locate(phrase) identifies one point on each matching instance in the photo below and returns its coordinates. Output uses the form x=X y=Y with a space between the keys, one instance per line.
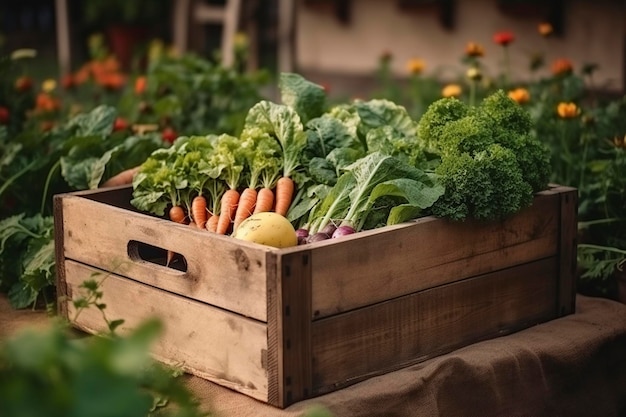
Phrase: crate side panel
x=568 y=247
x=209 y=342
x=431 y=252
x=219 y=270
x=380 y=338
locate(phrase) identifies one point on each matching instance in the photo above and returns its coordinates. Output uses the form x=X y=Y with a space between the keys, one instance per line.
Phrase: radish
x=302 y=235
x=343 y=230
x=317 y=237
x=329 y=229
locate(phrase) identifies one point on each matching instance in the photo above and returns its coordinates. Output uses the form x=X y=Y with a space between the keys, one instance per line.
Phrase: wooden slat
x=220 y=270
x=380 y=338
x=370 y=268
x=295 y=283
x=59 y=258
x=214 y=344
x=567 y=250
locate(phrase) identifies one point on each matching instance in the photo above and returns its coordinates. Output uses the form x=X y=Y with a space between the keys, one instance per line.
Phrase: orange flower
x=473 y=49
x=567 y=110
x=545 y=29
x=110 y=80
x=140 y=85
x=44 y=102
x=451 y=90
x=562 y=66
x=503 y=38
x=519 y=95
x=415 y=66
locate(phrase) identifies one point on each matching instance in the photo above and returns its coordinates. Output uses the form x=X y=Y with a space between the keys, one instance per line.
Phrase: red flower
x=23 y=83
x=169 y=135
x=68 y=82
x=4 y=115
x=120 y=124
x=503 y=38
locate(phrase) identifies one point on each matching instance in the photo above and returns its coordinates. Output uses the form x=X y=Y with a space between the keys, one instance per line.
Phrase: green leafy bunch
x=27 y=262
x=53 y=372
x=194 y=95
x=491 y=164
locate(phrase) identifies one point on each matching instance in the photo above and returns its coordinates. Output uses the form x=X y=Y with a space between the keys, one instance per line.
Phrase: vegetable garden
x=201 y=145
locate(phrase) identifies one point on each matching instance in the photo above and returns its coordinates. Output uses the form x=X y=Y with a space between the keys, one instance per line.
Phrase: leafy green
x=376 y=175
x=306 y=98
x=282 y=123
x=491 y=165
x=64 y=372
x=27 y=261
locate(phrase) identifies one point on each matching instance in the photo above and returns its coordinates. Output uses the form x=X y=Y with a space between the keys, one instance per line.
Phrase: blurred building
x=346 y=38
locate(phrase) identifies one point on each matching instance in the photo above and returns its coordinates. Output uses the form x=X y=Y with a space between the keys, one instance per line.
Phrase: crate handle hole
x=140 y=251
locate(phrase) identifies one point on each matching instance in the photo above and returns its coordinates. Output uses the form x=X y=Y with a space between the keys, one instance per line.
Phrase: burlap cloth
x=572 y=366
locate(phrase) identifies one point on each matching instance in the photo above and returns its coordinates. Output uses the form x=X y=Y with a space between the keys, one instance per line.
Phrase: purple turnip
x=303 y=235
x=329 y=229
x=317 y=237
x=343 y=230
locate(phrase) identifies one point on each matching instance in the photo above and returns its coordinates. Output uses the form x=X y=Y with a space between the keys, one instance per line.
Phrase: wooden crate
x=283 y=325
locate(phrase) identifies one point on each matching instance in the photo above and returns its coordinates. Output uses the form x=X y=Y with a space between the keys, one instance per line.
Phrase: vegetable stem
x=24 y=170
x=47 y=185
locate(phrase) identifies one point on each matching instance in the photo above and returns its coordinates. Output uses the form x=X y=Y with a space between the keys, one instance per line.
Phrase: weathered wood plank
x=220 y=271
x=567 y=250
x=295 y=283
x=410 y=329
x=354 y=273
x=206 y=341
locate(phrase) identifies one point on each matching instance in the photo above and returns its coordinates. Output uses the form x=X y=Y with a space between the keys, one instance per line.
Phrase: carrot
x=199 y=211
x=123 y=178
x=264 y=200
x=211 y=224
x=245 y=207
x=285 y=188
x=228 y=207
x=177 y=214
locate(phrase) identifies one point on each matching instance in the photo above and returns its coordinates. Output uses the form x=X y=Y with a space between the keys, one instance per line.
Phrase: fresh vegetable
x=352 y=200
x=211 y=224
x=284 y=195
x=267 y=228
x=265 y=200
x=343 y=230
x=123 y=178
x=282 y=123
x=263 y=162
x=491 y=165
x=199 y=211
x=245 y=208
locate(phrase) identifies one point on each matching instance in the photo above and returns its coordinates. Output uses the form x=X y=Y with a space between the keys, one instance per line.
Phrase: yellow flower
x=519 y=95
x=474 y=74
x=415 y=66
x=49 y=85
x=451 y=90
x=545 y=29
x=567 y=110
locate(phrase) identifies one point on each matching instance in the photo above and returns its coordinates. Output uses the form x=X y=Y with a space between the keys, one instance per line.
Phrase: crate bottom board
x=206 y=341
x=232 y=350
